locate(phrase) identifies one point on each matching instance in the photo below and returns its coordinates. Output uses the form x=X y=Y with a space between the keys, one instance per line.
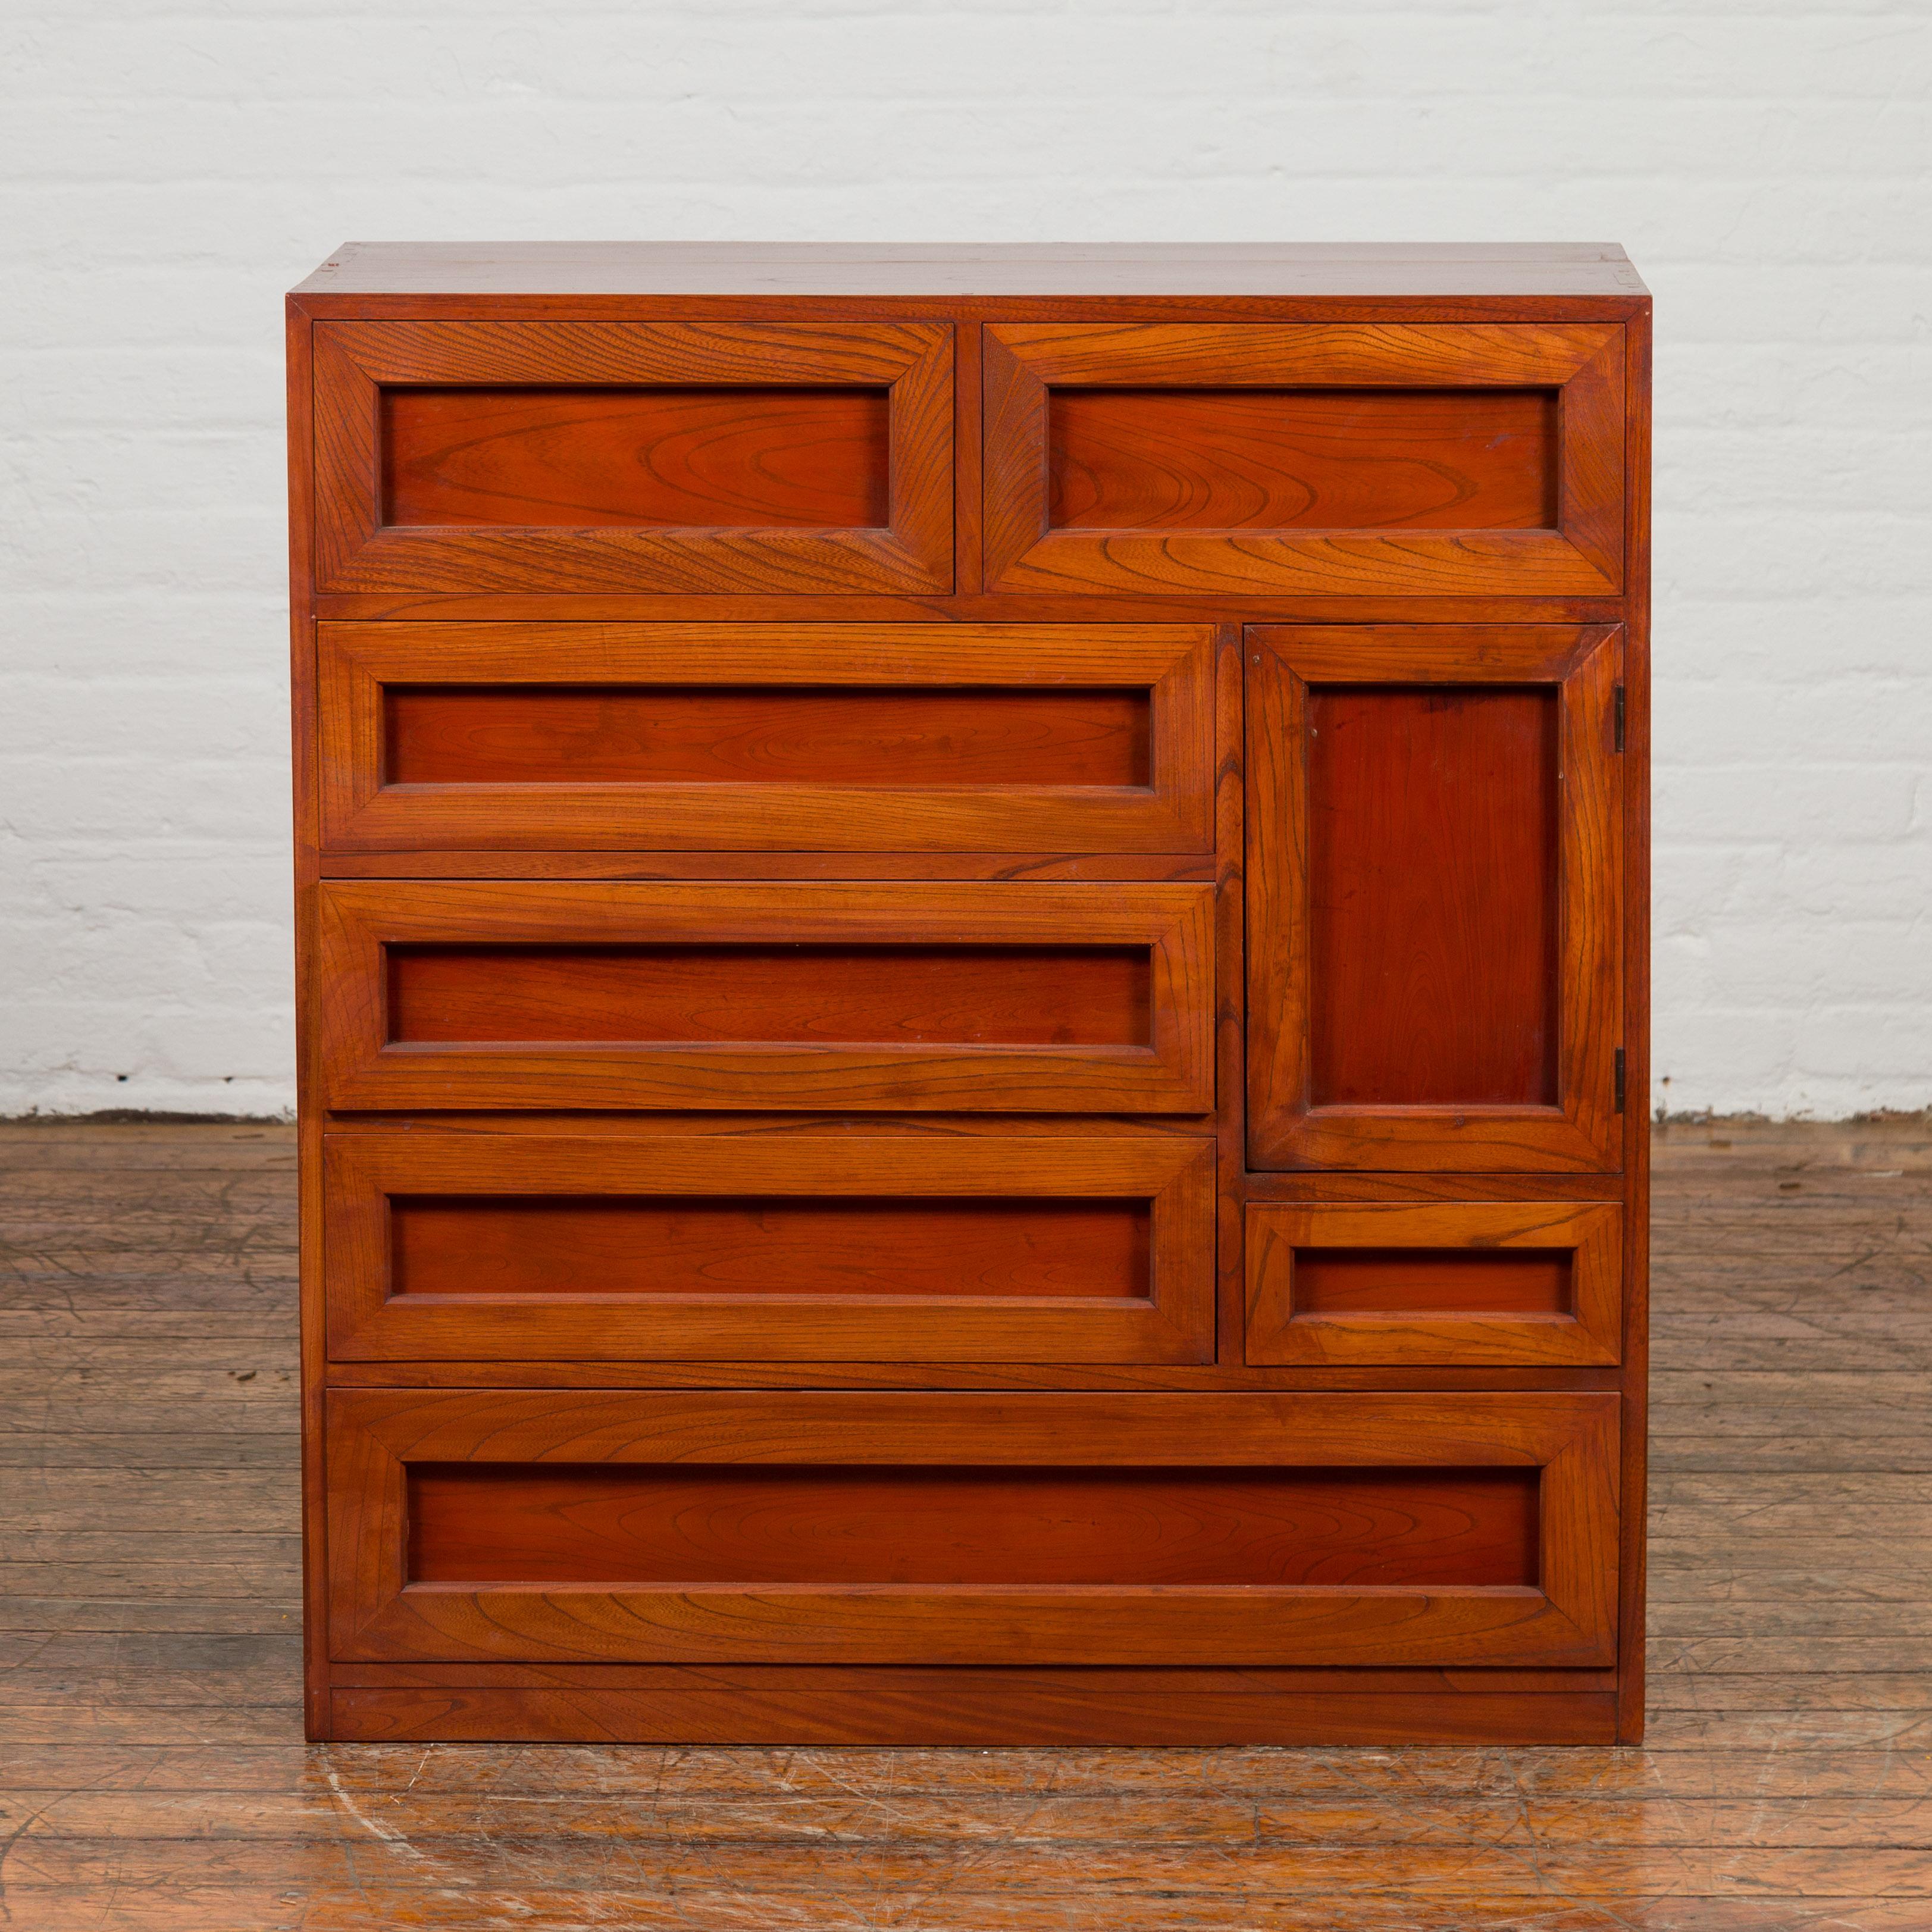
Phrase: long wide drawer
x=779 y=1247
x=1330 y=1529
x=1059 y=999
x=795 y=737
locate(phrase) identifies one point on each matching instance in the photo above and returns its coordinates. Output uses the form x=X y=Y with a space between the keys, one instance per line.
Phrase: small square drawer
x=786 y=1246
x=928 y=998
x=1258 y=459
x=835 y=1528
x=633 y=456
x=1443 y=1284
x=797 y=737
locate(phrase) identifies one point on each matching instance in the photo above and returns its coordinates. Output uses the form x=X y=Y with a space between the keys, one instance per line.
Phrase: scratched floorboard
x=152 y=1774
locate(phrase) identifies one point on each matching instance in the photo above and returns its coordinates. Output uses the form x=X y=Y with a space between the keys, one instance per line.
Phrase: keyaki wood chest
x=973 y=973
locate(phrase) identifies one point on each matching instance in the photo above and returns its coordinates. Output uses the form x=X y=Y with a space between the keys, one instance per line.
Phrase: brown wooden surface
x=573 y=734
x=791 y=269
x=771 y=738
x=1433 y=896
x=153 y=1773
x=881 y=1247
x=592 y=1523
x=1635 y=1024
x=1463 y=1283
x=1307 y=459
x=1080 y=1250
x=1237 y=509
x=1419 y=1583
x=839 y=1039
x=1252 y=401
x=1301 y=459
x=1158 y=604
x=365 y=498
x=1436 y=857
x=617 y=458
x=780 y=994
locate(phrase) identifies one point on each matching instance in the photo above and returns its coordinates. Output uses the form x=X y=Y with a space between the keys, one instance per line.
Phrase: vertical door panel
x=1435 y=902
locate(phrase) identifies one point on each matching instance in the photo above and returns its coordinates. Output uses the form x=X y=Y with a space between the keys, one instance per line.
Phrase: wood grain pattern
x=1440 y=1281
x=1434 y=902
x=378 y=1614
x=1042 y=868
x=797 y=272
x=1301 y=459
x=1031 y=369
x=525 y=1245
x=1006 y=738
x=687 y=446
x=1413 y=1284
x=511 y=1526
x=687 y=1248
x=617 y=458
x=155 y=1775
x=1392 y=1024
x=369 y=1065
x=1631 y=1688
x=358 y=364
x=749 y=735
x=785 y=994
x=986 y=1709
x=1156 y=605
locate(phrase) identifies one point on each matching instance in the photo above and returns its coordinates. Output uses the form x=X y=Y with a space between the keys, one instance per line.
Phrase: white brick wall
x=173 y=166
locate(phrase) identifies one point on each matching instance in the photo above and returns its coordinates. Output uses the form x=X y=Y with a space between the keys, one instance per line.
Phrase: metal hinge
x=1620 y=1080
x=1620 y=718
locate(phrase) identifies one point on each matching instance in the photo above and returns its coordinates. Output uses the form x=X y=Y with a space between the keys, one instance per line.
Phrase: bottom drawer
x=1143 y=1529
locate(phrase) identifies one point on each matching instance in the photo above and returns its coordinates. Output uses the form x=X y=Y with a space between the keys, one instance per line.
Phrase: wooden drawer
x=1258 y=459
x=1059 y=999
x=801 y=737
x=633 y=456
x=792 y=1247
x=833 y=1527
x=1434 y=898
x=1448 y=1284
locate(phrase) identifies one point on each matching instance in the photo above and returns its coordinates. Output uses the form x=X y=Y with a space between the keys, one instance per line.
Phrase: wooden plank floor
x=152 y=1774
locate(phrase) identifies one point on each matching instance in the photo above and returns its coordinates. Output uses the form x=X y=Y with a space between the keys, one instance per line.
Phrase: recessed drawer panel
x=626 y=456
x=800 y=738
x=1062 y=999
x=1443 y=1284
x=1254 y=459
x=1152 y=1528
x=792 y=1247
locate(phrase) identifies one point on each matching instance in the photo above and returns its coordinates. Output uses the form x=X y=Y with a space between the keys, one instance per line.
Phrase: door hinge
x=1620 y=1080
x=1619 y=712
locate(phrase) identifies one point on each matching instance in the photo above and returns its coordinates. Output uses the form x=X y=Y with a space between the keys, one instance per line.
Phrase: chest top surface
x=1305 y=270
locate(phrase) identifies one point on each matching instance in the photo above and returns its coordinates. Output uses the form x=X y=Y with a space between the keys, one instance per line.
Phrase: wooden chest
x=973 y=963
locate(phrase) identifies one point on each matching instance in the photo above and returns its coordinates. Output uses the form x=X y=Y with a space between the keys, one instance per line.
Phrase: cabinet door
x=1434 y=898
x=1247 y=459
x=793 y=737
x=1445 y=1530
x=633 y=456
x=794 y=1247
x=933 y=998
